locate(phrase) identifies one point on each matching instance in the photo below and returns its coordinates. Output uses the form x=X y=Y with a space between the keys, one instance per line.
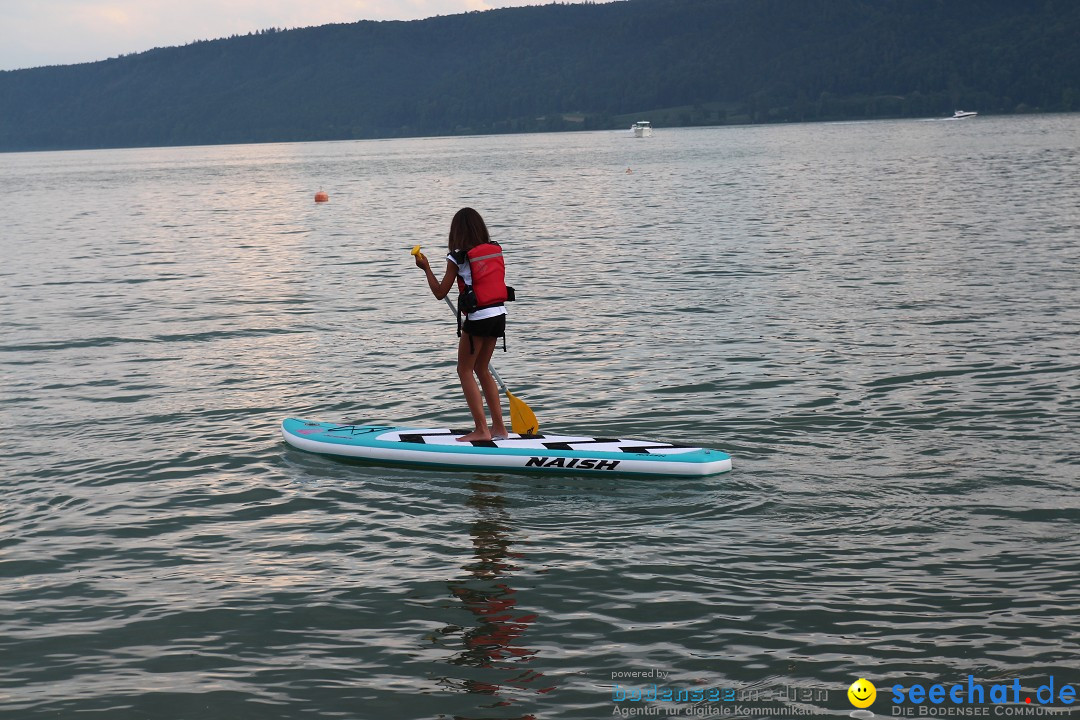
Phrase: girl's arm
x=438 y=289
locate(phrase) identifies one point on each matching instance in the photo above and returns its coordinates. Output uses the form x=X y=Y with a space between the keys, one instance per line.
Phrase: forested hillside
x=563 y=66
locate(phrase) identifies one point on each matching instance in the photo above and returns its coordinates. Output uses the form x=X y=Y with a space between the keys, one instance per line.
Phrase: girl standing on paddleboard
x=475 y=262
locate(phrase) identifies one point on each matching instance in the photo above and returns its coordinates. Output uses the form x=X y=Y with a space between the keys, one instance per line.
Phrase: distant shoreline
x=660 y=128
x=560 y=67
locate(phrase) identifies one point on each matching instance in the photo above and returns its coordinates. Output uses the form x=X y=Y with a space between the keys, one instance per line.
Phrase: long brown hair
x=467 y=230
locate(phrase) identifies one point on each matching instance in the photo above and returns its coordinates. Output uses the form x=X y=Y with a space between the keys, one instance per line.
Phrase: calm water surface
x=879 y=321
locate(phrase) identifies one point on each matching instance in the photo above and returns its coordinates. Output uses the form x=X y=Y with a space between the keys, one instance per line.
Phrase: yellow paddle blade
x=522 y=418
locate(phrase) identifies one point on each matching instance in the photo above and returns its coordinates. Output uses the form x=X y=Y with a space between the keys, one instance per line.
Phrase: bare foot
x=499 y=433
x=475 y=435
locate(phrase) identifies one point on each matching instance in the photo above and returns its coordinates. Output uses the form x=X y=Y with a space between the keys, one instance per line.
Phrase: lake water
x=879 y=321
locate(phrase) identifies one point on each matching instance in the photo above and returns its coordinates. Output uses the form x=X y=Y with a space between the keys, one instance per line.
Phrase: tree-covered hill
x=563 y=66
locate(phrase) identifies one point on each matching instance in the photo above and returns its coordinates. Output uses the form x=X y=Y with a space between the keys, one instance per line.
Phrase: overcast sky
x=60 y=32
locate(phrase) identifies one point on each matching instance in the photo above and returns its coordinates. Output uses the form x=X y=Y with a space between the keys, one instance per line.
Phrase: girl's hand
x=421 y=261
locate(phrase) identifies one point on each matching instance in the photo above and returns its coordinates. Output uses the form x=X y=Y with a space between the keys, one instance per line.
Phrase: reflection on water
x=495 y=643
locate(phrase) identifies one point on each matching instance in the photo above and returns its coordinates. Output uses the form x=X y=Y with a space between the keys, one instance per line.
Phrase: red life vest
x=488 y=272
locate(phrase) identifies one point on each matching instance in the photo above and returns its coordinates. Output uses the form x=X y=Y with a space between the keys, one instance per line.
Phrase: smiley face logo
x=862 y=693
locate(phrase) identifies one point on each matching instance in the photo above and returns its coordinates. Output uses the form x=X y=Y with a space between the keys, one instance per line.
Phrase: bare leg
x=488 y=384
x=466 y=369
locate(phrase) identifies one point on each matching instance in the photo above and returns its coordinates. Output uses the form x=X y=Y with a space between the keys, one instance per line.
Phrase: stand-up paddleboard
x=543 y=453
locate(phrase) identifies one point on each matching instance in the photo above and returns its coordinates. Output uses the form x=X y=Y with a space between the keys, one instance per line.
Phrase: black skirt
x=488 y=327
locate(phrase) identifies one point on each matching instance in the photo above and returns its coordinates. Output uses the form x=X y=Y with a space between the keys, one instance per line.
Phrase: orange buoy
x=321 y=197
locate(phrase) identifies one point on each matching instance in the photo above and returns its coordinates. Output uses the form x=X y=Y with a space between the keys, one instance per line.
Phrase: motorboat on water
x=961 y=114
x=642 y=128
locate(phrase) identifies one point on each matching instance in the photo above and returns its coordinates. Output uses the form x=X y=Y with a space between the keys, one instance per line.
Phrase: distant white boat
x=642 y=128
x=960 y=114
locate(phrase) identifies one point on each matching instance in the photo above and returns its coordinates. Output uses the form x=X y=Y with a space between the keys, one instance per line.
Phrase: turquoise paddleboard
x=539 y=453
